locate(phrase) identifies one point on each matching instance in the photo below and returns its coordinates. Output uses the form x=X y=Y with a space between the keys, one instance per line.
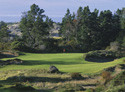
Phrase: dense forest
x=80 y=31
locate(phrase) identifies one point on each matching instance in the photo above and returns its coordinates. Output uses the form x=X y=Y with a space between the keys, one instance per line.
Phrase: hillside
x=14 y=30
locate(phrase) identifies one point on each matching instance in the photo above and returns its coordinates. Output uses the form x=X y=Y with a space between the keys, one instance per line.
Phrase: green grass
x=65 y=62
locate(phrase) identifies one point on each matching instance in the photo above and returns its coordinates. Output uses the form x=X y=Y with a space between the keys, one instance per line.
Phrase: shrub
x=23 y=87
x=5 y=46
x=119 y=79
x=117 y=84
x=99 y=89
x=106 y=75
x=107 y=48
x=76 y=75
x=69 y=88
x=103 y=54
x=16 y=45
x=114 y=46
x=90 y=90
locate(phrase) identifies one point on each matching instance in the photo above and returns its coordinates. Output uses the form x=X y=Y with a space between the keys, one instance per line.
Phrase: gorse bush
x=119 y=80
x=104 y=54
x=117 y=84
x=106 y=75
x=69 y=88
x=76 y=75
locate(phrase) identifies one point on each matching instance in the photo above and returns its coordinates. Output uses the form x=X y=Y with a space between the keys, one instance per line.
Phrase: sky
x=11 y=10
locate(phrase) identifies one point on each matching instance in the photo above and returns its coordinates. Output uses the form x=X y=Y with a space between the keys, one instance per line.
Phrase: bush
x=76 y=76
x=16 y=45
x=69 y=88
x=99 y=89
x=5 y=46
x=23 y=87
x=106 y=75
x=107 y=48
x=119 y=79
x=117 y=84
x=52 y=45
x=114 y=46
x=104 y=54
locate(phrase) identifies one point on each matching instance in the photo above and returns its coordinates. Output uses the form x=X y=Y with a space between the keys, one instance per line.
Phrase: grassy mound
x=102 y=56
x=117 y=84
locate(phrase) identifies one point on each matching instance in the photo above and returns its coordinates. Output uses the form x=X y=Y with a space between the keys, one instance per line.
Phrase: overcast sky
x=11 y=10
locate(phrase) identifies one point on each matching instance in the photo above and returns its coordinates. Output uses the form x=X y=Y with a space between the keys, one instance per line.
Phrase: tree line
x=92 y=30
x=81 y=31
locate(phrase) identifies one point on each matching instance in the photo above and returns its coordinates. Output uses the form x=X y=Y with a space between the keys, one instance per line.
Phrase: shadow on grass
x=16 y=79
x=41 y=62
x=99 y=60
x=19 y=79
x=21 y=90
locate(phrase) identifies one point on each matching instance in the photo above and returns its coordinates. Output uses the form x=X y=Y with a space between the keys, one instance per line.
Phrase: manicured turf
x=65 y=62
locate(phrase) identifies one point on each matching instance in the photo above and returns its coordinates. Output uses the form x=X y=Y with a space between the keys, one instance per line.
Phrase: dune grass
x=65 y=62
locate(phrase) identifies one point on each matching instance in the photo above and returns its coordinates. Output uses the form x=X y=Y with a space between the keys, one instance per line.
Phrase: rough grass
x=65 y=62
x=33 y=73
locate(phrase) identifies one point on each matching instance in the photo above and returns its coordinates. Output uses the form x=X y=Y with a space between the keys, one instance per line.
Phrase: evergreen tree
x=85 y=31
x=66 y=28
x=4 y=33
x=33 y=26
x=91 y=30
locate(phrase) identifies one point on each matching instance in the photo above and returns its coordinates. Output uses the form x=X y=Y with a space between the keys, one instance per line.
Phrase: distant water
x=18 y=18
x=10 y=18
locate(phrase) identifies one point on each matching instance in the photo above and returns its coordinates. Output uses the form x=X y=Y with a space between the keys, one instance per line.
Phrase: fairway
x=65 y=62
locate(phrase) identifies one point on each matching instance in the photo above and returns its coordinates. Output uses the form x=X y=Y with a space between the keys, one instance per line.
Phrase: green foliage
x=52 y=45
x=5 y=46
x=123 y=42
x=104 y=54
x=16 y=45
x=117 y=84
x=33 y=27
x=119 y=80
x=4 y=34
x=121 y=13
x=99 y=89
x=90 y=30
x=69 y=88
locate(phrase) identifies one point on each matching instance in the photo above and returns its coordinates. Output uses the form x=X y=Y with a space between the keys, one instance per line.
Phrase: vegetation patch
x=69 y=88
x=22 y=87
x=102 y=56
x=76 y=76
x=119 y=80
x=11 y=61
